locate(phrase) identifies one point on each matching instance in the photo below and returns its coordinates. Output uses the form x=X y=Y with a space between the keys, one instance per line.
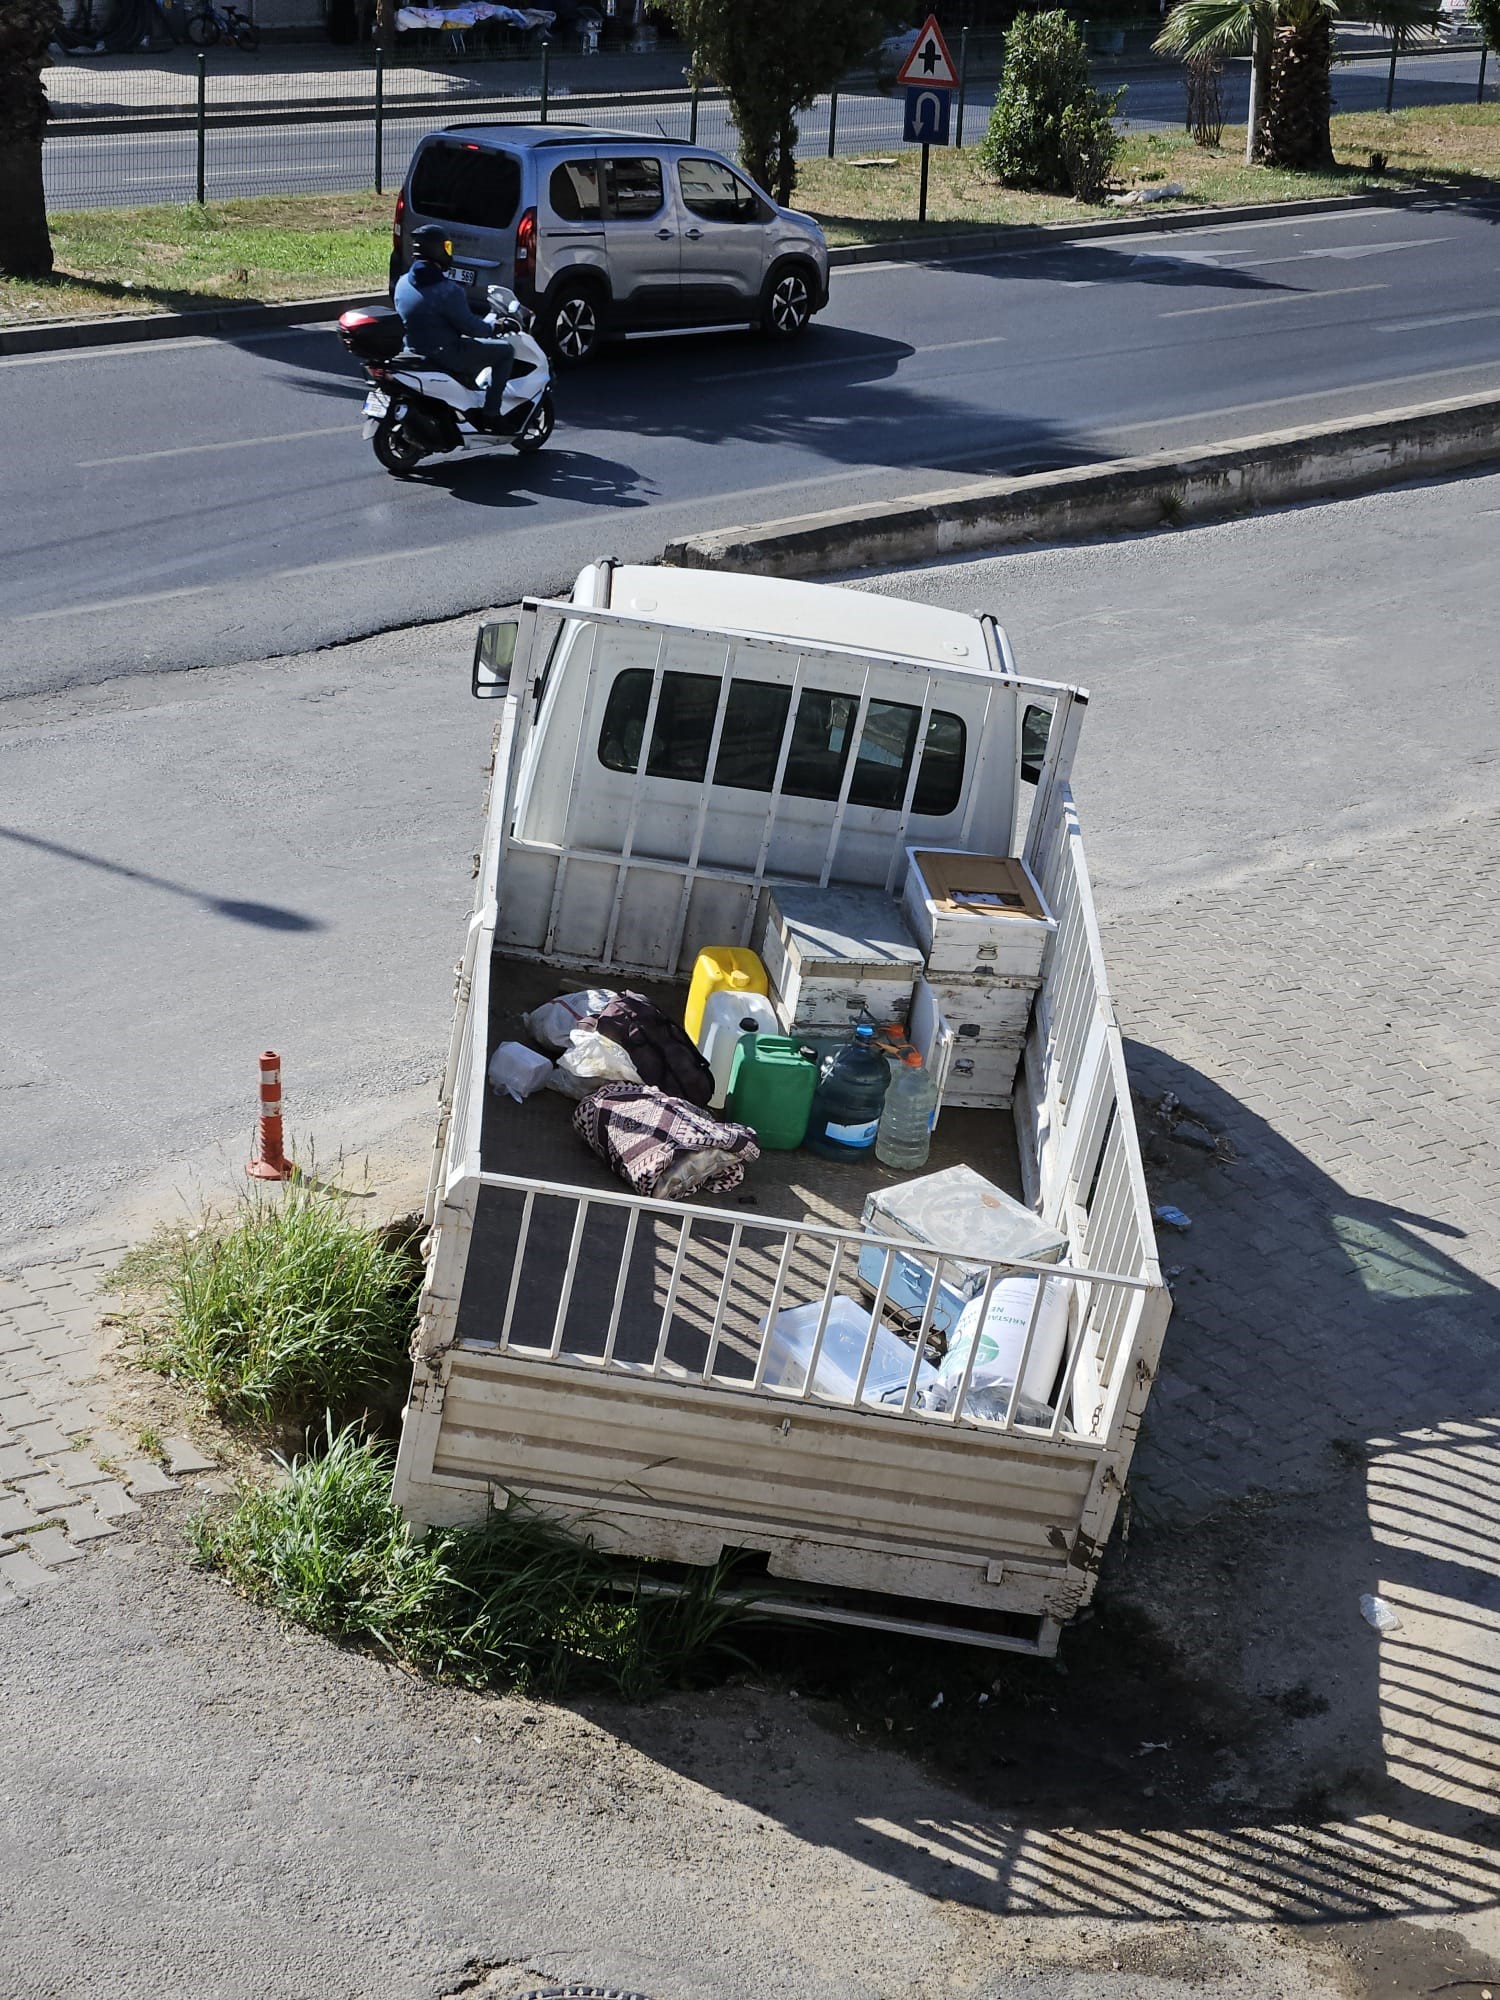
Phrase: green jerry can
x=771 y=1089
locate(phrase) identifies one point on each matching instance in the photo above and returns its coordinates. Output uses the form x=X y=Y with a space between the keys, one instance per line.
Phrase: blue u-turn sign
x=927 y=115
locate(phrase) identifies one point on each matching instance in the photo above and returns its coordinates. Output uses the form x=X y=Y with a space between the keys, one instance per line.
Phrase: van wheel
x=787 y=305
x=572 y=328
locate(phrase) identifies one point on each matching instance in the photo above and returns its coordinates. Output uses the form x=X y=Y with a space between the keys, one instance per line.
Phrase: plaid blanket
x=656 y=1142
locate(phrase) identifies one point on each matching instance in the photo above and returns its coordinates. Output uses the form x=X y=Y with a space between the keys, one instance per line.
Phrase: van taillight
x=526 y=244
x=396 y=225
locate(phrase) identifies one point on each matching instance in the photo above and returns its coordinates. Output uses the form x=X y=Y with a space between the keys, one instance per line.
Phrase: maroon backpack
x=659 y=1048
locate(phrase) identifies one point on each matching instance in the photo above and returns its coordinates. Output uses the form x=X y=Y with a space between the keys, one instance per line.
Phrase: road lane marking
x=197 y=589
x=221 y=444
x=113 y=604
x=1268 y=299
x=1436 y=319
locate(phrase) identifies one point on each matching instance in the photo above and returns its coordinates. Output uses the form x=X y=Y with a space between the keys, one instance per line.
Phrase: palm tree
x=1292 y=45
x=26 y=27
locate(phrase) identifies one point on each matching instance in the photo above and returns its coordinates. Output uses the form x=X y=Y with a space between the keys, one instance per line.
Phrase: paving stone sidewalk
x=1339 y=1025
x=66 y=1480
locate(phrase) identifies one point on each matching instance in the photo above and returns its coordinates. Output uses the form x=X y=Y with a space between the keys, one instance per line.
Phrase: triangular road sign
x=929 y=62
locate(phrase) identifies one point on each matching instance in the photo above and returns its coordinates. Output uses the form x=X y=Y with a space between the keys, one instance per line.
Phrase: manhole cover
x=582 y=1993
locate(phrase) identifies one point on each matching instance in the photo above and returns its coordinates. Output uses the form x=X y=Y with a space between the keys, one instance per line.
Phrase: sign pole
x=922 y=196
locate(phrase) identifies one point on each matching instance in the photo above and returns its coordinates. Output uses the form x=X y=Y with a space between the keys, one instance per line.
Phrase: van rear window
x=476 y=185
x=750 y=741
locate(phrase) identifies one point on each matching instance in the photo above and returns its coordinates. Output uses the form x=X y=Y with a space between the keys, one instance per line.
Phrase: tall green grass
x=515 y=1603
x=286 y=1310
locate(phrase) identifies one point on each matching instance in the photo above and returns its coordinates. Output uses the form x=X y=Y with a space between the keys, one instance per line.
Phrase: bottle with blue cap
x=848 y=1101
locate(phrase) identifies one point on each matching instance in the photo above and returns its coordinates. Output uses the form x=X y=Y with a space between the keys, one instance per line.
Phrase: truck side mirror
x=494 y=656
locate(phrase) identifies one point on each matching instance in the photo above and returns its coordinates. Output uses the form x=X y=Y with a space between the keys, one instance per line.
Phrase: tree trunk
x=1294 y=132
x=758 y=151
x=25 y=240
x=786 y=163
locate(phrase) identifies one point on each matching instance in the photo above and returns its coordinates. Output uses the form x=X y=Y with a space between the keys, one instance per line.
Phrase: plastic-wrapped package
x=517 y=1070
x=552 y=1023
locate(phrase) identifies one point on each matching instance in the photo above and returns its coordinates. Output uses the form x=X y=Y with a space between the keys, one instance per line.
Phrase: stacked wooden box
x=983 y=929
x=835 y=958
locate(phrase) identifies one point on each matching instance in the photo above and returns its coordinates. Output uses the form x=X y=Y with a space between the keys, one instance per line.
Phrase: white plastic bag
x=589 y=1060
x=597 y=1059
x=552 y=1023
x=517 y=1070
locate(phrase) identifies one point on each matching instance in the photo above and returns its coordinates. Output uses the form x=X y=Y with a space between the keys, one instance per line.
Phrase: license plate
x=465 y=274
x=377 y=403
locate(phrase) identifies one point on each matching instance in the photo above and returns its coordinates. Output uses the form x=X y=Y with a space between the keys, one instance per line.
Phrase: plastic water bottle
x=905 y=1133
x=848 y=1101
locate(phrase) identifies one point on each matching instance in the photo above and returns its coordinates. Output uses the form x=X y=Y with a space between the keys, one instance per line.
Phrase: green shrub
x=1050 y=129
x=1090 y=146
x=291 y=1309
x=516 y=1603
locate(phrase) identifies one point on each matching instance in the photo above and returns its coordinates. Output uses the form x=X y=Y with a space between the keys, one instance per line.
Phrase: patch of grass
x=150 y=260
x=517 y=1603
x=285 y=1309
x=150 y=1442
x=1451 y=145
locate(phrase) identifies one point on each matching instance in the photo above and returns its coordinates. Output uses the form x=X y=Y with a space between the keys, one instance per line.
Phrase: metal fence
x=224 y=125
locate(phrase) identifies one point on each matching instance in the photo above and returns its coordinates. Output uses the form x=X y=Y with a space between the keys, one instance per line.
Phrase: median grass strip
x=283 y=1309
x=228 y=253
x=1456 y=145
x=173 y=259
x=516 y=1603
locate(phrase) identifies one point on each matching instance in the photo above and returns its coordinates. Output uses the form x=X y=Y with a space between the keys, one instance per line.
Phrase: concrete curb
x=1036 y=235
x=229 y=320
x=224 y=320
x=1158 y=489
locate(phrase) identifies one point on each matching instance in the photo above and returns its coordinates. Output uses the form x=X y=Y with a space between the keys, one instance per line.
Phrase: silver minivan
x=605 y=232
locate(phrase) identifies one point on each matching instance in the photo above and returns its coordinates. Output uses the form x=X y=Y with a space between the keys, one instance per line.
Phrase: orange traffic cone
x=270 y=1162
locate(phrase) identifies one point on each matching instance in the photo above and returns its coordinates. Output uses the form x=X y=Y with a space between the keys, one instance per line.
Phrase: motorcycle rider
x=441 y=326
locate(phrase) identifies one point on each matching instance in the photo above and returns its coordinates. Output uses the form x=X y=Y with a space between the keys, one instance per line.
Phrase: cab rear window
x=462 y=182
x=750 y=741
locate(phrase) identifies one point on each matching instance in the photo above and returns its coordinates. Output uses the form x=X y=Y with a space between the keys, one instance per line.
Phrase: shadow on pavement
x=264 y=916
x=1226 y=1739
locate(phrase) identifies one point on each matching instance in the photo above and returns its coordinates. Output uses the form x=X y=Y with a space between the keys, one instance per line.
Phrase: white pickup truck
x=672 y=746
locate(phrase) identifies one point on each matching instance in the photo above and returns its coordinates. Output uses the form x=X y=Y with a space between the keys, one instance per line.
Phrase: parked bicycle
x=213 y=23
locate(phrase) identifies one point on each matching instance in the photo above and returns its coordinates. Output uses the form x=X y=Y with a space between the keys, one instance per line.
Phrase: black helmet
x=431 y=242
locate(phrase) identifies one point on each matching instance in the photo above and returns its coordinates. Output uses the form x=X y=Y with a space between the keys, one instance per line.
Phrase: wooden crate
x=975 y=913
x=836 y=957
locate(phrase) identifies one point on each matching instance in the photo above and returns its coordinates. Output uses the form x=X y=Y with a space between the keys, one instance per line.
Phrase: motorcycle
x=414 y=410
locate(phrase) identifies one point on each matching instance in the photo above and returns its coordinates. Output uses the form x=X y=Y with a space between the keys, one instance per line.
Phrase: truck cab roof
x=808 y=613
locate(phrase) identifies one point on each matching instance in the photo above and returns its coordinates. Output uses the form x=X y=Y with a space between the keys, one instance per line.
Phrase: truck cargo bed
x=536 y=1141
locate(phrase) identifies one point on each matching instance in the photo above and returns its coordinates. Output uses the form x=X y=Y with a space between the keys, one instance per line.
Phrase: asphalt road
x=205 y=501
x=87 y=170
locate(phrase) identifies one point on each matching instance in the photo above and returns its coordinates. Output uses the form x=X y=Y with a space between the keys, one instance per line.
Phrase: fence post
x=1390 y=82
x=202 y=121
x=546 y=77
x=963 y=81
x=833 y=120
x=693 y=119
x=380 y=121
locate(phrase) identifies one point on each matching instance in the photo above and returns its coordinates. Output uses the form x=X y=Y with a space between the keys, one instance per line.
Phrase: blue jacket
x=436 y=314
